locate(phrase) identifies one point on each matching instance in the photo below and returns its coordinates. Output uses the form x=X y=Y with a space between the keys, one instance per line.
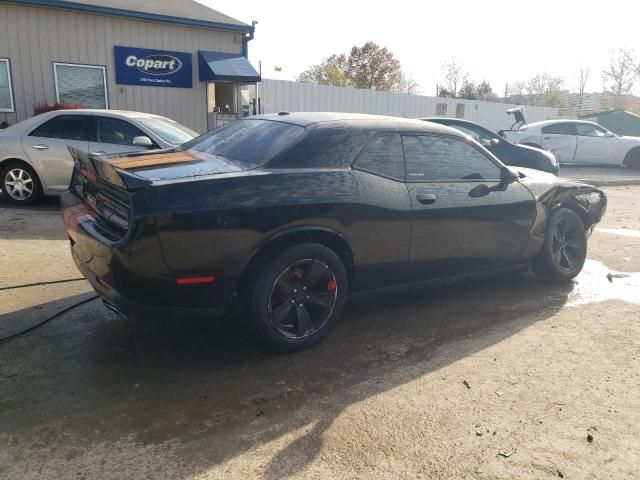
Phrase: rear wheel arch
x=632 y=158
x=283 y=240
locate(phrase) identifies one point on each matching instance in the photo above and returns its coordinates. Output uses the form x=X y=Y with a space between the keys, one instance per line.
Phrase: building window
x=441 y=109
x=460 y=110
x=6 y=94
x=84 y=85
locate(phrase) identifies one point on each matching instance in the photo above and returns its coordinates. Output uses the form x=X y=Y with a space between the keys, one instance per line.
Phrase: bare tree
x=407 y=84
x=583 y=77
x=545 y=90
x=621 y=74
x=453 y=76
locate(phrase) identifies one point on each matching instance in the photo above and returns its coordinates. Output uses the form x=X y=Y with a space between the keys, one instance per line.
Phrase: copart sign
x=153 y=68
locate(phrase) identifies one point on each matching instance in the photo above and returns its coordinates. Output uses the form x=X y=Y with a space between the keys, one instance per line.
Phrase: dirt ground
x=492 y=379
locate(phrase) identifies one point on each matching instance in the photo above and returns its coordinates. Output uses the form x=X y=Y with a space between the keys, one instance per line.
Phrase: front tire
x=20 y=184
x=564 y=250
x=298 y=297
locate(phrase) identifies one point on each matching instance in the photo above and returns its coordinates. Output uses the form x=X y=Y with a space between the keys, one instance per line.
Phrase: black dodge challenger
x=287 y=214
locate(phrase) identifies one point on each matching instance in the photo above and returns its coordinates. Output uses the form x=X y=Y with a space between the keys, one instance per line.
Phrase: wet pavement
x=94 y=395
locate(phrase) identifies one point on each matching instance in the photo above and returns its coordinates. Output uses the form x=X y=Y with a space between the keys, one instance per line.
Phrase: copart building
x=176 y=58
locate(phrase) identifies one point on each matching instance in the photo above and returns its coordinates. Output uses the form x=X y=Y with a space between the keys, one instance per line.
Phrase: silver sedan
x=34 y=160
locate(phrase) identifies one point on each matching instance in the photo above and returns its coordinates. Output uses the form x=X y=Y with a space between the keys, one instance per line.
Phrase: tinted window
x=432 y=158
x=588 y=130
x=560 y=129
x=251 y=142
x=65 y=127
x=116 y=131
x=323 y=146
x=168 y=130
x=383 y=155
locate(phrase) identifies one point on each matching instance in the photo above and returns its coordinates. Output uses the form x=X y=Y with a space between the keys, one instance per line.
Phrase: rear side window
x=248 y=142
x=383 y=155
x=116 y=131
x=323 y=147
x=560 y=129
x=434 y=158
x=65 y=127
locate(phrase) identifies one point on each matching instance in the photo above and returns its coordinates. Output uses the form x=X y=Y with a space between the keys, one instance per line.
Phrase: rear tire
x=20 y=184
x=564 y=250
x=632 y=159
x=298 y=297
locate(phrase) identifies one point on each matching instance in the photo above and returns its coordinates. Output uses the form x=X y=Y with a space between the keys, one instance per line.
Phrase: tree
x=516 y=92
x=546 y=91
x=373 y=68
x=368 y=66
x=583 y=77
x=620 y=76
x=407 y=85
x=453 y=76
x=332 y=71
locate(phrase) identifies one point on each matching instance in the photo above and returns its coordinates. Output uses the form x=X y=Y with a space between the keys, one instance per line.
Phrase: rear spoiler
x=99 y=168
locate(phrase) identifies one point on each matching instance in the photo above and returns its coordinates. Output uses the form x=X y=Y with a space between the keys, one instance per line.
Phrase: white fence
x=282 y=95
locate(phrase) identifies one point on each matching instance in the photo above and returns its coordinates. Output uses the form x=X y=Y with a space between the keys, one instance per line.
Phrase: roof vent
x=283 y=113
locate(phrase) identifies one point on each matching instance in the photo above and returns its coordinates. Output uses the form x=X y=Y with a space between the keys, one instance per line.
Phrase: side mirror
x=610 y=134
x=508 y=176
x=142 y=141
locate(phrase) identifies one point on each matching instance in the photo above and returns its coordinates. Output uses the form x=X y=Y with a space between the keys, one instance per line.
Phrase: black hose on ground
x=48 y=319
x=38 y=284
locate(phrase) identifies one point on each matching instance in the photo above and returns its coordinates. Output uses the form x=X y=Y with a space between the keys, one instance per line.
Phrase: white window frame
x=13 y=105
x=100 y=67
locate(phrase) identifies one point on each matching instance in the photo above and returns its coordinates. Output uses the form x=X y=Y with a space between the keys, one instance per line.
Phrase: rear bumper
x=130 y=274
x=122 y=304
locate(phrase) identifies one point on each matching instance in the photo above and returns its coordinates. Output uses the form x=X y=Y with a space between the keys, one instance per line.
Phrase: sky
x=494 y=40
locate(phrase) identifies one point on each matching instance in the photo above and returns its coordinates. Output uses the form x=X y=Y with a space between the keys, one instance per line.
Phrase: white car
x=580 y=142
x=35 y=161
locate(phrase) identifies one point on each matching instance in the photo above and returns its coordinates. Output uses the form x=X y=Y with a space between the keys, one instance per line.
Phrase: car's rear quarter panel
x=216 y=225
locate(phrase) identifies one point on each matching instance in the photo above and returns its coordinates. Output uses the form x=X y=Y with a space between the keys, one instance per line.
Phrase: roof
x=607 y=112
x=360 y=119
x=542 y=123
x=185 y=12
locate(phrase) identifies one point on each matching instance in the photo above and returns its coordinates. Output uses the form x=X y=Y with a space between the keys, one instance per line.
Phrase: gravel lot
x=492 y=379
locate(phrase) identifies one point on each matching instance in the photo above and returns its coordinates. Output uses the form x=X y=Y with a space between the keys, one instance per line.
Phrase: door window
x=589 y=130
x=82 y=85
x=560 y=129
x=65 y=127
x=431 y=158
x=116 y=131
x=383 y=156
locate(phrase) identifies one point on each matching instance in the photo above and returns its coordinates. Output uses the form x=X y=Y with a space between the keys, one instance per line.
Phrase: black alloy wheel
x=566 y=243
x=298 y=296
x=302 y=298
x=565 y=248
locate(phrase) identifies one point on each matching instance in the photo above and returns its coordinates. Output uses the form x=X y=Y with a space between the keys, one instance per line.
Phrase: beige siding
x=34 y=37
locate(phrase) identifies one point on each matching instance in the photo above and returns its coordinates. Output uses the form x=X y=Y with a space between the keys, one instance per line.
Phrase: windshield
x=168 y=130
x=251 y=142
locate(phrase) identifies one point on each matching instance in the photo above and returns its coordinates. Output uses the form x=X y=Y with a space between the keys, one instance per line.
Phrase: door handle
x=426 y=198
x=546 y=138
x=101 y=152
x=40 y=147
